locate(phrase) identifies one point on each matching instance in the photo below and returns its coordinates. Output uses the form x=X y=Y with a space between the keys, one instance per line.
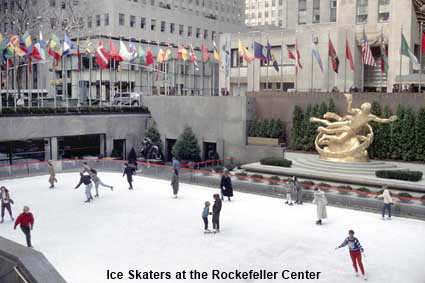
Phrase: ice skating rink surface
x=146 y=229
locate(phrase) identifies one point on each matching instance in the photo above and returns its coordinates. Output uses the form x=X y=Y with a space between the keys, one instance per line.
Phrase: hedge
x=241 y=176
x=324 y=186
x=308 y=185
x=344 y=190
x=276 y=161
x=361 y=190
x=405 y=175
x=256 y=177
x=219 y=169
x=274 y=180
x=423 y=199
x=403 y=194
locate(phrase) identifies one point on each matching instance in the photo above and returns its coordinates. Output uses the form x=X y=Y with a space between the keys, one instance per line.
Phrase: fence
x=201 y=174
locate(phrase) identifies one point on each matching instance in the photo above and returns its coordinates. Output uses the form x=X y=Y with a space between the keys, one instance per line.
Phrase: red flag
x=205 y=53
x=298 y=58
x=149 y=58
x=334 y=57
x=290 y=54
x=102 y=56
x=349 y=56
x=423 y=42
x=113 y=52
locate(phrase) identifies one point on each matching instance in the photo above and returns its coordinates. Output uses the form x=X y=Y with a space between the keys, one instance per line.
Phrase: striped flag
x=366 y=52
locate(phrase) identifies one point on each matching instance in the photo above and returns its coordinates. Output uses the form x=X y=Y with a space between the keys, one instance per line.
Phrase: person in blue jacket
x=356 y=251
x=205 y=213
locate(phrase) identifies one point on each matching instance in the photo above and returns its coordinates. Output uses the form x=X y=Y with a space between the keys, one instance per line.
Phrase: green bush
x=403 y=195
x=274 y=180
x=257 y=178
x=153 y=134
x=361 y=190
x=405 y=175
x=219 y=169
x=276 y=161
x=242 y=176
x=324 y=186
x=344 y=190
x=308 y=185
x=186 y=146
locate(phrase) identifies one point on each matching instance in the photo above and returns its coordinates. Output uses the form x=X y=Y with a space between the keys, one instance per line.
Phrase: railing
x=202 y=174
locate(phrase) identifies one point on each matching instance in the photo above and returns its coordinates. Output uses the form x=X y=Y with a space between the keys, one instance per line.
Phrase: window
x=89 y=22
x=52 y=3
x=172 y=27
x=273 y=3
x=205 y=34
x=259 y=15
x=106 y=20
x=98 y=20
x=198 y=32
x=333 y=11
x=266 y=14
x=384 y=11
x=213 y=35
x=181 y=29
x=189 y=31
x=316 y=11
x=142 y=22
x=63 y=5
x=302 y=11
x=132 y=21
x=361 y=11
x=153 y=24
x=121 y=19
x=280 y=23
x=280 y=2
x=162 y=26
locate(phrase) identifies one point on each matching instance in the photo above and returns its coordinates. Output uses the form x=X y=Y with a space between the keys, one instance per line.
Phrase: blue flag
x=316 y=55
x=67 y=45
x=258 y=51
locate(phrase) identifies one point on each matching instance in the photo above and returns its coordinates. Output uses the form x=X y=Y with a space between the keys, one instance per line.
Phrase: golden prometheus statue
x=346 y=139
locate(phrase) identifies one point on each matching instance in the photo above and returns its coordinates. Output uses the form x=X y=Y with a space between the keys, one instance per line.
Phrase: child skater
x=98 y=182
x=6 y=203
x=129 y=171
x=205 y=213
x=356 y=251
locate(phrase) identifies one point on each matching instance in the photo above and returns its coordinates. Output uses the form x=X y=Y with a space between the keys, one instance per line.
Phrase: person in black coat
x=226 y=185
x=129 y=171
x=86 y=180
x=216 y=213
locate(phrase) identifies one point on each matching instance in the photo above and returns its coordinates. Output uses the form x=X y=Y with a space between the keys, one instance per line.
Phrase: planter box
x=262 y=141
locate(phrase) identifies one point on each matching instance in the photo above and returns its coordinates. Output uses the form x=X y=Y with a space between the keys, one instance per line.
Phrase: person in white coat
x=388 y=202
x=321 y=202
x=290 y=193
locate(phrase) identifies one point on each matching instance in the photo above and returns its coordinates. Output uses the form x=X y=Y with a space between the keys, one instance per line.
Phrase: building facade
x=315 y=22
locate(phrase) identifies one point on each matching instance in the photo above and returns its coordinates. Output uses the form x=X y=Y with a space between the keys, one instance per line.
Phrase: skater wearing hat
x=226 y=185
x=356 y=251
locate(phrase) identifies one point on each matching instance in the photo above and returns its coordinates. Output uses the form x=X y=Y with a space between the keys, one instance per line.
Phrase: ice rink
x=146 y=229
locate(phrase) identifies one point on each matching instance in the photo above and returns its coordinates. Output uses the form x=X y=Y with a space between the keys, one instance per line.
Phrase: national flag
x=367 y=52
x=55 y=49
x=182 y=53
x=258 y=51
x=133 y=52
x=216 y=53
x=423 y=42
x=271 y=58
x=26 y=38
x=78 y=55
x=36 y=52
x=113 y=52
x=124 y=53
x=168 y=53
x=316 y=55
x=334 y=57
x=287 y=52
x=88 y=48
x=142 y=56
x=4 y=42
x=15 y=46
x=205 y=55
x=244 y=53
x=149 y=57
x=298 y=57
x=348 y=55
x=384 y=56
x=102 y=56
x=67 y=45
x=193 y=57
x=405 y=50
x=161 y=56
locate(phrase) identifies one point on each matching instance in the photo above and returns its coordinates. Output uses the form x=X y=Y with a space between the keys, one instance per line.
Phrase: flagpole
x=401 y=63
x=329 y=74
x=345 y=62
x=296 y=65
x=7 y=82
x=281 y=66
x=90 y=73
x=239 y=66
x=420 y=63
x=111 y=87
x=128 y=71
x=268 y=63
x=202 y=75
x=311 y=82
x=382 y=59
x=79 y=71
x=212 y=75
x=1 y=90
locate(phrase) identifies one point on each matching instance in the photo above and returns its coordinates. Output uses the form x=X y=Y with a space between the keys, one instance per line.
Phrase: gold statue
x=347 y=139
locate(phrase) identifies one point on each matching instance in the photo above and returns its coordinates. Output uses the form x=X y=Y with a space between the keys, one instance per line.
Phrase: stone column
x=54 y=148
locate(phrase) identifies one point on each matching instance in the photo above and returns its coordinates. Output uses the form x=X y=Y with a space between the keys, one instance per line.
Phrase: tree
x=297 y=121
x=384 y=149
x=420 y=135
x=332 y=106
x=396 y=134
x=408 y=135
x=306 y=128
x=278 y=129
x=153 y=134
x=323 y=109
x=374 y=148
x=186 y=146
x=265 y=128
x=132 y=157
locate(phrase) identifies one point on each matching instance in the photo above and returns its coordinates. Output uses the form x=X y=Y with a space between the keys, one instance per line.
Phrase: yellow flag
x=243 y=52
x=161 y=56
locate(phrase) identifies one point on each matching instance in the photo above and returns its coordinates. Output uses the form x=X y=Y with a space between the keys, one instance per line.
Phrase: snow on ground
x=146 y=229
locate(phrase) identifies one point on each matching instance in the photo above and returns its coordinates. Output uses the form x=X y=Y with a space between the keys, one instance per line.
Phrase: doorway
x=120 y=149
x=169 y=143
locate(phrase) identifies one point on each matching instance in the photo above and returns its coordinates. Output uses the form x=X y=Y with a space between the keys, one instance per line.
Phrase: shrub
x=153 y=134
x=361 y=190
x=308 y=185
x=274 y=180
x=276 y=161
x=423 y=199
x=219 y=169
x=186 y=146
x=405 y=175
x=344 y=190
x=403 y=196
x=324 y=186
x=257 y=178
x=242 y=176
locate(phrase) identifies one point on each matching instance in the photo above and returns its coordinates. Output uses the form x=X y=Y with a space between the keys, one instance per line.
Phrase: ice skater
x=388 y=202
x=6 y=203
x=26 y=220
x=226 y=185
x=216 y=213
x=52 y=174
x=129 y=171
x=356 y=251
x=86 y=168
x=321 y=202
x=86 y=180
x=289 y=193
x=298 y=190
x=98 y=182
x=205 y=213
x=175 y=176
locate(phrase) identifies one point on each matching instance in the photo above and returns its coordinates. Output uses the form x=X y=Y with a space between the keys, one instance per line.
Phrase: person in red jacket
x=26 y=220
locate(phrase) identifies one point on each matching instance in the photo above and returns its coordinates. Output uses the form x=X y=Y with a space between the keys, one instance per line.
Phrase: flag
x=142 y=56
x=334 y=57
x=205 y=55
x=348 y=56
x=149 y=57
x=15 y=46
x=168 y=53
x=78 y=55
x=405 y=50
x=161 y=56
x=366 y=52
x=36 y=52
x=271 y=58
x=288 y=52
x=258 y=51
x=133 y=52
x=182 y=53
x=384 y=56
x=423 y=42
x=244 y=53
x=102 y=56
x=55 y=49
x=26 y=38
x=113 y=52
x=297 y=52
x=316 y=55
x=88 y=49
x=4 y=42
x=193 y=57
x=67 y=45
x=216 y=53
x=124 y=53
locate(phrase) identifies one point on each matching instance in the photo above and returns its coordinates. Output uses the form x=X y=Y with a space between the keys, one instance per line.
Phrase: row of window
x=273 y=22
x=255 y=4
x=272 y=14
x=302 y=11
x=362 y=11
